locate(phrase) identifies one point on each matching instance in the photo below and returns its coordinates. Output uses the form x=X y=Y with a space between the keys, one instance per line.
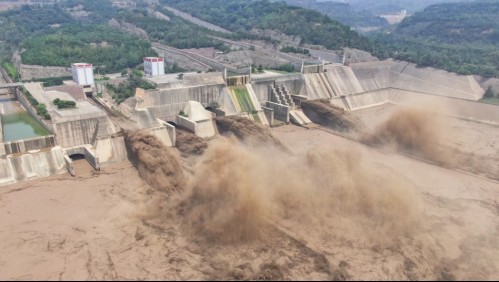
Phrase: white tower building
x=154 y=66
x=83 y=74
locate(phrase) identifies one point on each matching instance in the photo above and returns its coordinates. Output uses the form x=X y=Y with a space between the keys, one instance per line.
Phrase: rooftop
x=83 y=110
x=163 y=79
x=75 y=91
x=154 y=58
x=81 y=65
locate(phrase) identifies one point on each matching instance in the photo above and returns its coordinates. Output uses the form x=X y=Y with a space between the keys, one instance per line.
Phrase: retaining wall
x=238 y=80
x=163 y=133
x=203 y=129
x=32 y=111
x=269 y=114
x=186 y=123
x=171 y=133
x=15 y=168
x=111 y=149
x=281 y=112
x=23 y=146
x=167 y=103
x=69 y=165
x=82 y=131
x=313 y=69
x=29 y=72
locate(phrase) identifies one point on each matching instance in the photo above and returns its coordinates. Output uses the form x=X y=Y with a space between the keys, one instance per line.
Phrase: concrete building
x=85 y=130
x=154 y=66
x=83 y=74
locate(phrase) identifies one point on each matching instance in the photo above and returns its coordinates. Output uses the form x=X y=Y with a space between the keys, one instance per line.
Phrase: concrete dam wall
x=23 y=146
x=357 y=78
x=295 y=84
x=29 y=72
x=461 y=108
x=15 y=168
x=167 y=103
x=76 y=132
x=352 y=87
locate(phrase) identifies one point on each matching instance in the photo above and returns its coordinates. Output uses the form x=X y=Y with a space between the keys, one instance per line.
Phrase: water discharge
x=241 y=193
x=155 y=163
x=238 y=190
x=411 y=130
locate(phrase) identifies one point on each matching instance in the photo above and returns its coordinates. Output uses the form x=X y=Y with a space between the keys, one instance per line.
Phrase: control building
x=83 y=74
x=154 y=66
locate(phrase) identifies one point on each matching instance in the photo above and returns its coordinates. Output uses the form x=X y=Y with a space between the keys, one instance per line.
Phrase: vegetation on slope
x=107 y=49
x=342 y=12
x=127 y=88
x=459 y=37
x=454 y=23
x=19 y=24
x=11 y=70
x=175 y=32
x=90 y=11
x=64 y=104
x=243 y=16
x=53 y=35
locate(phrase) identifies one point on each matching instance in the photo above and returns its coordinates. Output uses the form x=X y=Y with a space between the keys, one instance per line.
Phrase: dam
x=35 y=147
x=38 y=144
x=270 y=97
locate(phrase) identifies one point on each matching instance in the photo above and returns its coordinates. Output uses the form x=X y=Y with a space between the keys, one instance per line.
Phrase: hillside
x=246 y=16
x=174 y=32
x=57 y=35
x=459 y=37
x=17 y=25
x=342 y=12
x=476 y=22
x=109 y=50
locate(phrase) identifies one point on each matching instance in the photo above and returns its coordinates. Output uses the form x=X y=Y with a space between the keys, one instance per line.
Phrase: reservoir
x=17 y=123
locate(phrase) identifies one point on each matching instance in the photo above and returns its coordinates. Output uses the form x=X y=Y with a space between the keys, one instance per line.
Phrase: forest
x=19 y=24
x=459 y=37
x=243 y=16
x=51 y=36
x=343 y=13
x=107 y=49
x=176 y=32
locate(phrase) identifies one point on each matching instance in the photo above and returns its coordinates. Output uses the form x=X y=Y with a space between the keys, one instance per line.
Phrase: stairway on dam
x=279 y=94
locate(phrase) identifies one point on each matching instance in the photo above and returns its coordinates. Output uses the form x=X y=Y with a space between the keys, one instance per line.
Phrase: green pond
x=19 y=124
